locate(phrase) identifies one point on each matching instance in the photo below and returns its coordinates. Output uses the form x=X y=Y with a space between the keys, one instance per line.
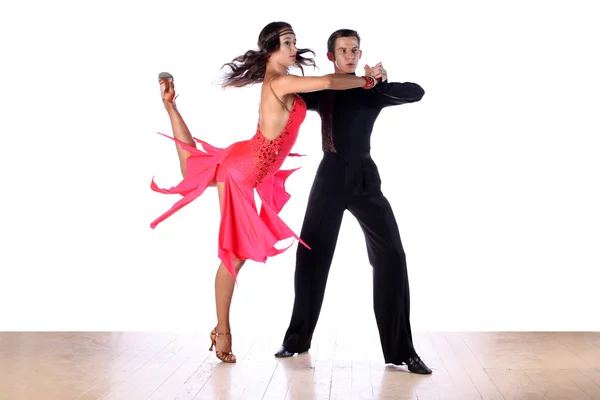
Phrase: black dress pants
x=353 y=184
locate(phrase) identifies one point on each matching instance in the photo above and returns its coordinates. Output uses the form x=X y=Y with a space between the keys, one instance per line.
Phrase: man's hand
x=378 y=72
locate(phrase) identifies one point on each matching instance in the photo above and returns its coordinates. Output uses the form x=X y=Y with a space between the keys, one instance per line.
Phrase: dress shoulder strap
x=277 y=97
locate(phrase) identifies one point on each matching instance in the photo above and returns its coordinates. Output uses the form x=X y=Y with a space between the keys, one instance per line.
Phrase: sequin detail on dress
x=243 y=166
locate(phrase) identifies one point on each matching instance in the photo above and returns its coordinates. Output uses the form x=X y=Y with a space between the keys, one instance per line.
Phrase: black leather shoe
x=417 y=366
x=283 y=353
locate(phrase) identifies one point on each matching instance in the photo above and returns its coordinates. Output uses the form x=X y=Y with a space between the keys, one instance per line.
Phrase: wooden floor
x=104 y=365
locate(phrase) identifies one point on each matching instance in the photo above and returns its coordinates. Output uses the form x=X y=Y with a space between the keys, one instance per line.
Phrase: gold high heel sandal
x=167 y=87
x=227 y=357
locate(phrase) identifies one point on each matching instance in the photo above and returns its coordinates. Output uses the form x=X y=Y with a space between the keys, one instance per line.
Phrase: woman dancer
x=245 y=233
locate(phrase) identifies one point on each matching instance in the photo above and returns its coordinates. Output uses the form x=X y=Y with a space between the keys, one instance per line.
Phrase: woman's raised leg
x=180 y=129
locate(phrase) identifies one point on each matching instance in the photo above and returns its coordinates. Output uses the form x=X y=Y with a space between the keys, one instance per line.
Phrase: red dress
x=244 y=232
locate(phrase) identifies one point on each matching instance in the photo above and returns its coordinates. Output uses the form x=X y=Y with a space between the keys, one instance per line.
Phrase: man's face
x=346 y=56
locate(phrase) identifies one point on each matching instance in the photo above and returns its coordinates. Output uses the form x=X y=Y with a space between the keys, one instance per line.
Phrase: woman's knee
x=238 y=264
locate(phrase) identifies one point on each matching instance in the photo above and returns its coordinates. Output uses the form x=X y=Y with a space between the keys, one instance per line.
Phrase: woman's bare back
x=274 y=112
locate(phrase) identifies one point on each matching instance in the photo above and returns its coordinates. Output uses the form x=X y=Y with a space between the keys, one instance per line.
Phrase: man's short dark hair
x=340 y=33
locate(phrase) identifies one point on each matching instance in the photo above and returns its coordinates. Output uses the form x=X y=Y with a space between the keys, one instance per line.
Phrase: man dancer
x=347 y=178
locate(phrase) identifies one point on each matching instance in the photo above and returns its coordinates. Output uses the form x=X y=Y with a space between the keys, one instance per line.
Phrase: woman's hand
x=378 y=72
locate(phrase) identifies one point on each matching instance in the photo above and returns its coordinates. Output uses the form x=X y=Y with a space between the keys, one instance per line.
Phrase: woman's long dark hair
x=250 y=67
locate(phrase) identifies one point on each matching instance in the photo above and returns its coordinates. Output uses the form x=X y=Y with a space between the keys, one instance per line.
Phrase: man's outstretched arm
x=394 y=93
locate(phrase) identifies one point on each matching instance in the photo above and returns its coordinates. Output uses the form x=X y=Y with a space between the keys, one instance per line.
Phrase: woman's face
x=286 y=54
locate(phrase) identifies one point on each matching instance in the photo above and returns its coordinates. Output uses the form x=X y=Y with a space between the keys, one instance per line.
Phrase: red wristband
x=369 y=82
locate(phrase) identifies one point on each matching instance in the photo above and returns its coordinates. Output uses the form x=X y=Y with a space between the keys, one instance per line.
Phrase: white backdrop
x=493 y=176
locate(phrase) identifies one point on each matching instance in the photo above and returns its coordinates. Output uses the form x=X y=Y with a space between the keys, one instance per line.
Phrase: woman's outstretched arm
x=289 y=84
